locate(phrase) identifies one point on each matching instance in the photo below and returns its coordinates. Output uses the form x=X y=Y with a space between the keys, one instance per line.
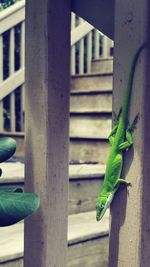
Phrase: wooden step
x=90 y=101
x=104 y=65
x=93 y=125
x=84 y=149
x=85 y=181
x=95 y=82
x=89 y=149
x=87 y=242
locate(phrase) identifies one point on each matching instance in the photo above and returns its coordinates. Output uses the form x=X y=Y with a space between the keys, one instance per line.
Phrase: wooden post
x=47 y=133
x=130 y=221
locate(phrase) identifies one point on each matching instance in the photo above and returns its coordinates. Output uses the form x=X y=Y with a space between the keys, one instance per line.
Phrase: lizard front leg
x=121 y=181
x=129 y=141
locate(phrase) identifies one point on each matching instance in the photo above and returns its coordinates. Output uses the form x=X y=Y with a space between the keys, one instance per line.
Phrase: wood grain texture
x=130 y=235
x=87 y=242
x=47 y=129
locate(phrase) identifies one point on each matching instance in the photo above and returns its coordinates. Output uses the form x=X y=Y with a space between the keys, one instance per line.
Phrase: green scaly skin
x=120 y=140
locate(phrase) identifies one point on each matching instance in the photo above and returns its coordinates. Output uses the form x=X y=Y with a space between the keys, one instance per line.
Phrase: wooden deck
x=87 y=238
x=83 y=230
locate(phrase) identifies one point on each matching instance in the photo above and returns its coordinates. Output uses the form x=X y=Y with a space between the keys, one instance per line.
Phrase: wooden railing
x=87 y=44
x=12 y=32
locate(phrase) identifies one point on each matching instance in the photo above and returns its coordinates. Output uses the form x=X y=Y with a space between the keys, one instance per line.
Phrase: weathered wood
x=102 y=65
x=93 y=253
x=83 y=194
x=130 y=226
x=80 y=149
x=92 y=150
x=12 y=16
x=88 y=101
x=93 y=82
x=90 y=126
x=87 y=242
x=13 y=263
x=47 y=131
x=14 y=81
x=84 y=183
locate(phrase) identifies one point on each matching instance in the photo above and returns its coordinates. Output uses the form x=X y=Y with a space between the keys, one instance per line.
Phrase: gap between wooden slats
x=22 y=63
x=11 y=71
x=1 y=79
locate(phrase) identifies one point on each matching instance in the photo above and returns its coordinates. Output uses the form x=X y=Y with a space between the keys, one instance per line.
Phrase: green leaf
x=7 y=148
x=16 y=206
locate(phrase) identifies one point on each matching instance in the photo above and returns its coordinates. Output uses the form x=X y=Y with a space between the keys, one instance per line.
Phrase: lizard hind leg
x=121 y=181
x=132 y=127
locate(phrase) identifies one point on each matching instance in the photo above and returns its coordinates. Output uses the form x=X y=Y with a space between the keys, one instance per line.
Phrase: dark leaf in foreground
x=16 y=206
x=7 y=148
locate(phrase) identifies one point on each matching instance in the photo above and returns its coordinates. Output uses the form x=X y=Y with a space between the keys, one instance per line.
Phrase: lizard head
x=102 y=203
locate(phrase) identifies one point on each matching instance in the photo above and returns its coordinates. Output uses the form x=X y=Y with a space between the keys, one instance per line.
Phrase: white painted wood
x=107 y=44
x=79 y=32
x=8 y=19
x=81 y=51
x=73 y=48
x=11 y=83
x=22 y=63
x=47 y=129
x=81 y=56
x=12 y=16
x=73 y=20
x=96 y=44
x=89 y=52
x=130 y=221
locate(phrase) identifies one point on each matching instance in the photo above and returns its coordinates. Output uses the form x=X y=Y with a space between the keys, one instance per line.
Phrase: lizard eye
x=102 y=206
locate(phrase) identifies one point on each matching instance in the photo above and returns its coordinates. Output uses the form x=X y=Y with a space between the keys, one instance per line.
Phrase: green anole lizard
x=120 y=140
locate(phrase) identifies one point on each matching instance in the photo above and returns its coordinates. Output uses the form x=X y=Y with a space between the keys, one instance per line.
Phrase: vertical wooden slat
x=22 y=63
x=81 y=56
x=130 y=220
x=105 y=47
x=11 y=71
x=1 y=79
x=47 y=130
x=81 y=51
x=107 y=44
x=73 y=48
x=96 y=44
x=89 y=51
